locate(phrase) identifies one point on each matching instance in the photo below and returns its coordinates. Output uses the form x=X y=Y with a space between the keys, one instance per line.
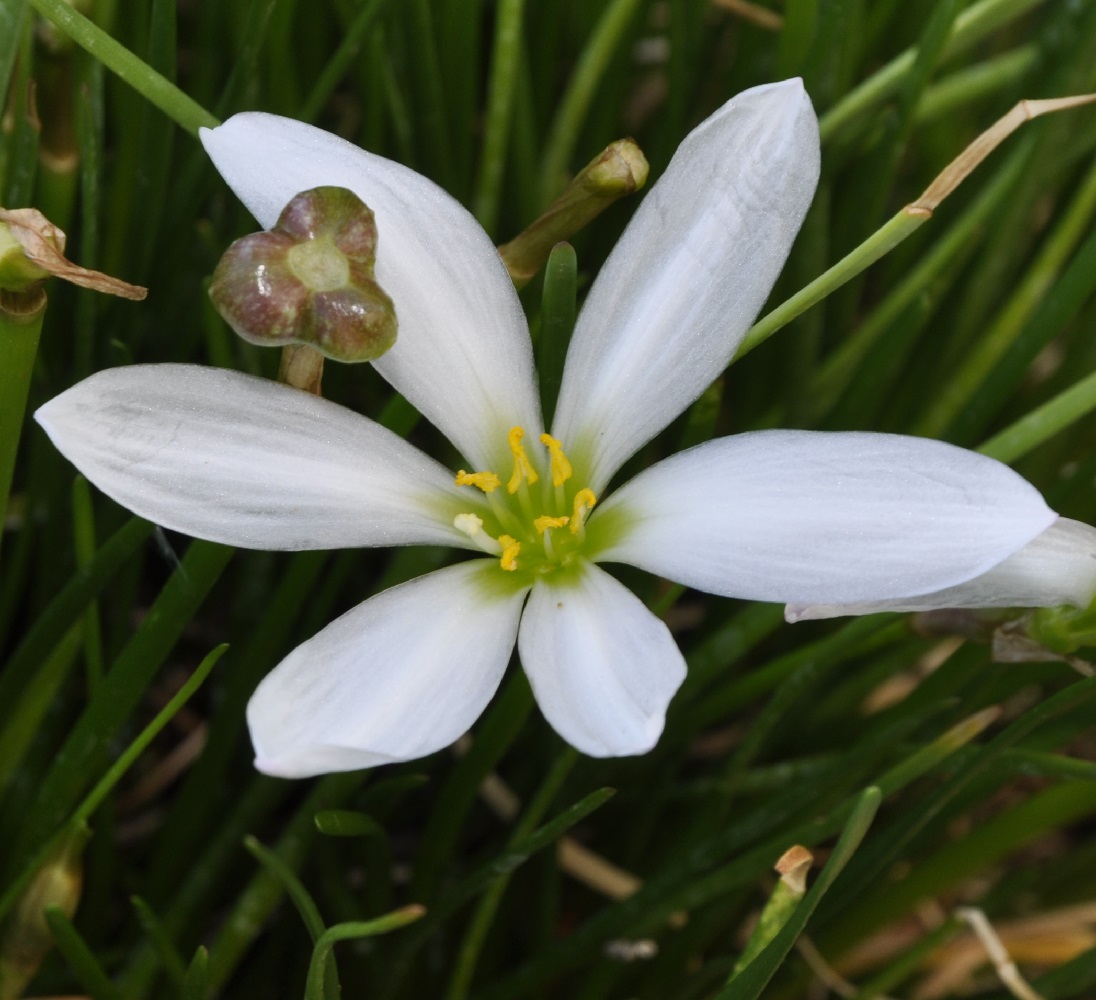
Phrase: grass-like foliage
x=142 y=856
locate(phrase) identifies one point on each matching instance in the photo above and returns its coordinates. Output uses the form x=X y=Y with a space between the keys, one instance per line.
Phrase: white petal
x=462 y=355
x=602 y=667
x=249 y=462
x=809 y=517
x=396 y=678
x=673 y=302
x=1056 y=567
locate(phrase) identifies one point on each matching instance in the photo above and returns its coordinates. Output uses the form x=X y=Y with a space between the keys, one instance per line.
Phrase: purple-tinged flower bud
x=309 y=280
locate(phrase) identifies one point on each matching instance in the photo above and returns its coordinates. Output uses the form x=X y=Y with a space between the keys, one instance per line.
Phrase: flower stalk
x=908 y=220
x=31 y=250
x=308 y=284
x=618 y=170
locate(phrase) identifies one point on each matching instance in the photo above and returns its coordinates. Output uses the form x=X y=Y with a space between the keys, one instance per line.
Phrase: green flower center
x=539 y=522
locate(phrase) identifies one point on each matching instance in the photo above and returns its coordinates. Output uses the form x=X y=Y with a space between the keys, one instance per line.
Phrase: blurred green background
x=982 y=316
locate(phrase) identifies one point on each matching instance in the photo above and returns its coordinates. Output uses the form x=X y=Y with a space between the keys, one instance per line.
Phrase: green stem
x=837 y=372
x=20 y=328
x=500 y=104
x=881 y=242
x=183 y=110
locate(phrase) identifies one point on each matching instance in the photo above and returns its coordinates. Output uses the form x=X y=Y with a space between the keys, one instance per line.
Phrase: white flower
x=823 y=522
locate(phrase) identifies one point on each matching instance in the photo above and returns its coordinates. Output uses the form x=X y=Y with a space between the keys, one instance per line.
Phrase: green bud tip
x=309 y=280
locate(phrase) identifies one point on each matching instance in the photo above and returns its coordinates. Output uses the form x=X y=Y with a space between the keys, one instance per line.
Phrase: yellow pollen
x=542 y=524
x=510 y=549
x=584 y=503
x=561 y=468
x=486 y=481
x=523 y=468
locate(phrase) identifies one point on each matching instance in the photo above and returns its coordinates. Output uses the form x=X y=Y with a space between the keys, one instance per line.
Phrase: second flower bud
x=309 y=280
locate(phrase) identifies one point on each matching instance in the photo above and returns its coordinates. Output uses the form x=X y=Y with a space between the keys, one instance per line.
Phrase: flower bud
x=619 y=169
x=27 y=938
x=309 y=280
x=32 y=249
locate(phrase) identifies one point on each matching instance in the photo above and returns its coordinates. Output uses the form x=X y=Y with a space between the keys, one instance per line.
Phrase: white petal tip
x=633 y=744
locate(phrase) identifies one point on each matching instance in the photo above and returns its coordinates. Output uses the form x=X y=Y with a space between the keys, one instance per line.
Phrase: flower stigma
x=526 y=537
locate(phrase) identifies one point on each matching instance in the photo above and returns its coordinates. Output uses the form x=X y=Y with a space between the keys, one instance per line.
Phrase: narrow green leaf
x=293 y=886
x=42 y=847
x=754 y=978
x=260 y=897
x=1043 y=422
x=196 y=985
x=498 y=729
x=306 y=907
x=517 y=854
x=67 y=607
x=169 y=955
x=12 y=15
x=19 y=334
x=557 y=322
x=29 y=710
x=347 y=823
x=513 y=857
x=342 y=58
x=500 y=102
x=977 y=21
x=80 y=958
x=480 y=924
x=575 y=104
x=348 y=932
x=88 y=744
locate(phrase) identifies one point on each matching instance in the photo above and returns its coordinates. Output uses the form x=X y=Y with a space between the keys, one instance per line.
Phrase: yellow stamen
x=584 y=503
x=523 y=468
x=510 y=550
x=561 y=467
x=486 y=481
x=542 y=524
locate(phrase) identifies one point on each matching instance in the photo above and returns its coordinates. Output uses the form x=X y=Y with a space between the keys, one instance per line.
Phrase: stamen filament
x=472 y=526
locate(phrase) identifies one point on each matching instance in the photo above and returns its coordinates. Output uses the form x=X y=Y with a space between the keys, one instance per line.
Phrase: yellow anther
x=486 y=481
x=542 y=524
x=561 y=468
x=510 y=549
x=584 y=503
x=523 y=468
